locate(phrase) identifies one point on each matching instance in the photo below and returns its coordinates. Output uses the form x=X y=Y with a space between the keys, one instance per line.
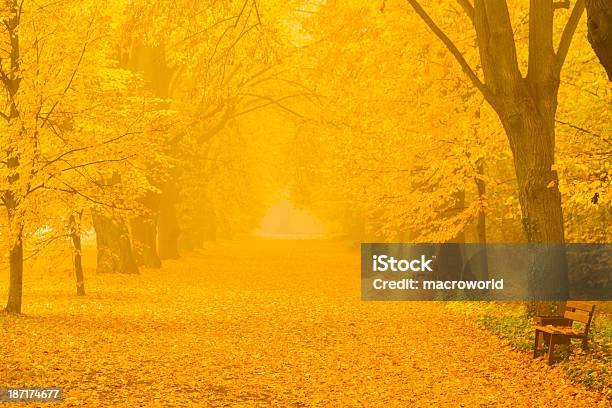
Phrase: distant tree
x=74 y=229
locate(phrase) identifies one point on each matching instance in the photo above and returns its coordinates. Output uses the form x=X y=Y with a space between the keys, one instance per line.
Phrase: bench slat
x=579 y=317
x=564 y=330
x=575 y=304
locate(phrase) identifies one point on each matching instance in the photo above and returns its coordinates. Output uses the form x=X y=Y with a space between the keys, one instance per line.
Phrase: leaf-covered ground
x=262 y=323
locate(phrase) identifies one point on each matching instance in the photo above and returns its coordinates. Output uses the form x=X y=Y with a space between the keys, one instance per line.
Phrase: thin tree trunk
x=168 y=226
x=144 y=234
x=532 y=142
x=481 y=264
x=13 y=305
x=75 y=235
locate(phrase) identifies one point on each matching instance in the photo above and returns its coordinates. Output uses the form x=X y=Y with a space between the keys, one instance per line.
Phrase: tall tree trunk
x=11 y=82
x=599 y=14
x=74 y=226
x=153 y=63
x=113 y=244
x=144 y=232
x=532 y=141
x=527 y=107
x=450 y=260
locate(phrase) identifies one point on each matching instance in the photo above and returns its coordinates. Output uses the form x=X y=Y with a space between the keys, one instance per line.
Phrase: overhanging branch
x=568 y=33
x=465 y=66
x=468 y=8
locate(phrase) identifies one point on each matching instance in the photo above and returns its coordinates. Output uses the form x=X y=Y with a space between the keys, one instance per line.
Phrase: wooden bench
x=556 y=330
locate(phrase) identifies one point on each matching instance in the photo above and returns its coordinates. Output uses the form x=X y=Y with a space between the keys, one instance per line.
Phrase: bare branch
x=451 y=47
x=80 y=149
x=72 y=190
x=568 y=33
x=241 y=12
x=565 y=4
x=257 y=11
x=227 y=115
x=468 y=8
x=93 y=163
x=76 y=69
x=272 y=101
x=583 y=130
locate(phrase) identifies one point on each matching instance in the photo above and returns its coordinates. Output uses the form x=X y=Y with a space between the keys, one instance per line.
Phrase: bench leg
x=535 y=346
x=551 y=349
x=585 y=343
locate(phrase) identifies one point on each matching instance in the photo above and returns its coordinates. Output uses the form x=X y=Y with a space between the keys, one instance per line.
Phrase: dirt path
x=262 y=323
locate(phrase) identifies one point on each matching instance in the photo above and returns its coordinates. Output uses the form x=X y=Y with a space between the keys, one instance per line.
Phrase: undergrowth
x=509 y=321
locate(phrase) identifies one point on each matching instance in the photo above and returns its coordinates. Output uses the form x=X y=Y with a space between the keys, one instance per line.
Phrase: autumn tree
x=526 y=105
x=400 y=144
x=212 y=64
x=70 y=122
